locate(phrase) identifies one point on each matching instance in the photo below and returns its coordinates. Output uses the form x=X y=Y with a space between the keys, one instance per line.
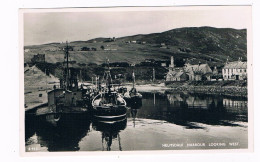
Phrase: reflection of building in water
x=178 y=100
x=234 y=104
x=195 y=102
x=175 y=100
x=152 y=104
x=187 y=109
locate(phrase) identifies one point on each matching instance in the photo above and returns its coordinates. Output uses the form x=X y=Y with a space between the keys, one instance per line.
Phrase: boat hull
x=111 y=113
x=66 y=114
x=64 y=119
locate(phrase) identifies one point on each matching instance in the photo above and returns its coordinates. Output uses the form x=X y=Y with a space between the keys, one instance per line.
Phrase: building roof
x=175 y=74
x=202 y=68
x=235 y=65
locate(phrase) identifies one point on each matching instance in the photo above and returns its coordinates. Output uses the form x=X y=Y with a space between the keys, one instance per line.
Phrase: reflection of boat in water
x=134 y=114
x=65 y=136
x=110 y=131
x=63 y=119
x=108 y=104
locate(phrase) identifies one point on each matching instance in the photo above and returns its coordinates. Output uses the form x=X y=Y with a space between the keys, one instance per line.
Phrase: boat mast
x=67 y=64
x=107 y=76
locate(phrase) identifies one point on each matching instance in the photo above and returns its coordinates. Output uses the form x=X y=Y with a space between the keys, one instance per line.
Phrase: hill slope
x=197 y=43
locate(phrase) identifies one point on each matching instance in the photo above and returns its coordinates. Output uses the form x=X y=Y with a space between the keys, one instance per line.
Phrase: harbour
x=208 y=119
x=182 y=88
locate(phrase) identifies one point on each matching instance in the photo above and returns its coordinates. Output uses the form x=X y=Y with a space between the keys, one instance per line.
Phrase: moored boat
x=135 y=98
x=68 y=97
x=108 y=104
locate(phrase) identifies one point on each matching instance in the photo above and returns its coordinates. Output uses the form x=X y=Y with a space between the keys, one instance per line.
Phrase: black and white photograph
x=136 y=79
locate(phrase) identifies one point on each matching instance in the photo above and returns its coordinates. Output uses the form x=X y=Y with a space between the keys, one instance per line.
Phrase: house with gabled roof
x=198 y=72
x=236 y=70
x=177 y=75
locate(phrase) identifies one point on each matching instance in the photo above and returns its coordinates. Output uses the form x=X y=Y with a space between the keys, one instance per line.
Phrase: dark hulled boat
x=68 y=97
x=108 y=105
x=134 y=99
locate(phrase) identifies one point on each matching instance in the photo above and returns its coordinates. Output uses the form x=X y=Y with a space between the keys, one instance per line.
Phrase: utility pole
x=96 y=82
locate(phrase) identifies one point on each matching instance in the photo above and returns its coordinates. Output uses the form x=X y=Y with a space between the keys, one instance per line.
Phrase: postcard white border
x=113 y=153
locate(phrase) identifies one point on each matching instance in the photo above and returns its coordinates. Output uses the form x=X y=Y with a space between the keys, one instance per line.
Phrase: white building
x=163 y=64
x=236 y=70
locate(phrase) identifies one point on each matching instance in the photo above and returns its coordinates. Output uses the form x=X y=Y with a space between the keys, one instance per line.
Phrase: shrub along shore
x=231 y=88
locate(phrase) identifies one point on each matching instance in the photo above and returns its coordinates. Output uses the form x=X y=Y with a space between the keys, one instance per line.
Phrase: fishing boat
x=68 y=97
x=108 y=105
x=135 y=98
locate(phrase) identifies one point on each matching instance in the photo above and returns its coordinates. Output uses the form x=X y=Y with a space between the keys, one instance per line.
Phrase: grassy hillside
x=200 y=44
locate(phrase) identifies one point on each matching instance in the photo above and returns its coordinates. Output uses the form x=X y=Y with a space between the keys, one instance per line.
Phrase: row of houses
x=231 y=71
x=135 y=42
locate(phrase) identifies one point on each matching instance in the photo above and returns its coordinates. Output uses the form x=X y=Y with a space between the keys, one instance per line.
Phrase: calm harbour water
x=166 y=121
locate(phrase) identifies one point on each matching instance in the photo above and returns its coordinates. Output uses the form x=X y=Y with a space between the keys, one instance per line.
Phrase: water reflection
x=62 y=137
x=134 y=114
x=162 y=118
x=186 y=109
x=110 y=132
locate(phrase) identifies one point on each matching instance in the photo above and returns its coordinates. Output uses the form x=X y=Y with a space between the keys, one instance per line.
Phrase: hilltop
x=203 y=44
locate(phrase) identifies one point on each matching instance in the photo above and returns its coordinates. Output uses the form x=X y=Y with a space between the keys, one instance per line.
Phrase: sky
x=56 y=25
